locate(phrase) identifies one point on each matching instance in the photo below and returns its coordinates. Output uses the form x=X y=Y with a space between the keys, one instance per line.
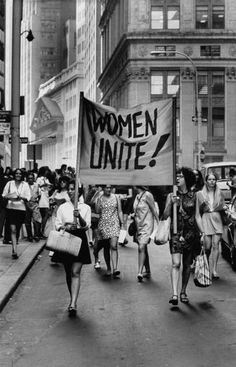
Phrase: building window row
x=166 y=14
x=211 y=91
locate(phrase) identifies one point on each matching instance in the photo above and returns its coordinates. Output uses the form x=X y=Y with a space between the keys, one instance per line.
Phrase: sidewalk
x=13 y=271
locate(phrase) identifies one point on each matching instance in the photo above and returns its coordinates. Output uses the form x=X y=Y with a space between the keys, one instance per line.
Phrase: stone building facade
x=189 y=36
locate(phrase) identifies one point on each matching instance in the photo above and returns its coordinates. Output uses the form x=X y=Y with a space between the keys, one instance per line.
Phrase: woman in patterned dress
x=110 y=222
x=182 y=243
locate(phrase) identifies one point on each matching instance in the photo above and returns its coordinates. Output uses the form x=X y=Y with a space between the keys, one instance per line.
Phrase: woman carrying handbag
x=73 y=264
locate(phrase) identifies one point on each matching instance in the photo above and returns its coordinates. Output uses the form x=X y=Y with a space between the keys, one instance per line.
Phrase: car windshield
x=222 y=172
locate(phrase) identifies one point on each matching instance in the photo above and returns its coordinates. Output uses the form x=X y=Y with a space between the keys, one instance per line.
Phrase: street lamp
x=197 y=107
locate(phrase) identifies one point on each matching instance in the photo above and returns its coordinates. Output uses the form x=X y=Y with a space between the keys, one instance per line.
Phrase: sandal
x=72 y=311
x=140 y=278
x=184 y=298
x=174 y=300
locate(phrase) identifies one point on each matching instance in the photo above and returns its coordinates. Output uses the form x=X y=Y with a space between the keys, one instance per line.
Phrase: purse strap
x=139 y=199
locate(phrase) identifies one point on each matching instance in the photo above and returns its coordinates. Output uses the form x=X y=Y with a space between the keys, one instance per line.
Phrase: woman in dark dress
x=182 y=243
x=74 y=264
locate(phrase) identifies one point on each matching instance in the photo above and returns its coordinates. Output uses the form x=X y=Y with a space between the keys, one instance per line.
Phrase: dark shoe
x=174 y=300
x=184 y=298
x=140 y=278
x=215 y=276
x=30 y=239
x=116 y=273
x=72 y=311
x=37 y=239
x=147 y=274
x=107 y=274
x=14 y=256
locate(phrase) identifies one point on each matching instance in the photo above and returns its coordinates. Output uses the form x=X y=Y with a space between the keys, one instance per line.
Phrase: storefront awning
x=44 y=140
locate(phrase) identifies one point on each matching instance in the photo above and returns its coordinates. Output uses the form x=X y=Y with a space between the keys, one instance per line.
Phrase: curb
x=16 y=273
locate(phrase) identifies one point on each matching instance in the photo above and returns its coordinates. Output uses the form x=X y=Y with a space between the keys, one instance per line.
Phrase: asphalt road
x=120 y=323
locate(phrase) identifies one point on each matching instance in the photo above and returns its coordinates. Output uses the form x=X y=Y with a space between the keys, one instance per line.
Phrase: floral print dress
x=108 y=225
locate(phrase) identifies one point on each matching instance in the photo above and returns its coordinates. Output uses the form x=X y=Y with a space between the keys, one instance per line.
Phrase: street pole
x=197 y=102
x=15 y=92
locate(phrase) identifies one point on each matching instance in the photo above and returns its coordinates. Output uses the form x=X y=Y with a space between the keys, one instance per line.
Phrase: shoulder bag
x=202 y=277
x=132 y=229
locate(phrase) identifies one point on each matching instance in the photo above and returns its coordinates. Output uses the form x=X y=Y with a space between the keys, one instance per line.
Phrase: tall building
x=53 y=26
x=188 y=36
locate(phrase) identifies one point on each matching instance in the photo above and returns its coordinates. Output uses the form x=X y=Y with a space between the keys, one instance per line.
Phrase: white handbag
x=63 y=242
x=162 y=235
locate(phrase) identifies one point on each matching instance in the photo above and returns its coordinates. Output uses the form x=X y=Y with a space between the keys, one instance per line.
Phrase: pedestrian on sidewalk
x=44 y=188
x=182 y=243
x=210 y=204
x=110 y=222
x=33 y=216
x=73 y=264
x=145 y=214
x=17 y=192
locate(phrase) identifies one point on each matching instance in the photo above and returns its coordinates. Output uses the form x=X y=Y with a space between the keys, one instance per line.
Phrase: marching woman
x=145 y=214
x=73 y=264
x=110 y=222
x=17 y=192
x=210 y=202
x=182 y=243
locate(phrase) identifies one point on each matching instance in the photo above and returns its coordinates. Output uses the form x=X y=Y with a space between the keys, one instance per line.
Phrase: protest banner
x=127 y=146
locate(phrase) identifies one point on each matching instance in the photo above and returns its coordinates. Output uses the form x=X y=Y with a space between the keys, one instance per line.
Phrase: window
x=165 y=14
x=165 y=50
x=173 y=17
x=210 y=16
x=211 y=91
x=157 y=17
x=211 y=50
x=165 y=83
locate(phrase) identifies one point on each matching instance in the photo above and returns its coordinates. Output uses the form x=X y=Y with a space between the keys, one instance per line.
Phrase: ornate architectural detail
x=232 y=51
x=137 y=73
x=188 y=50
x=187 y=74
x=231 y=73
x=142 y=51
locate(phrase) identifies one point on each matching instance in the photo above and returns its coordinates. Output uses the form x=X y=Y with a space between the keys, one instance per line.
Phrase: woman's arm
x=198 y=216
x=168 y=206
x=152 y=206
x=120 y=213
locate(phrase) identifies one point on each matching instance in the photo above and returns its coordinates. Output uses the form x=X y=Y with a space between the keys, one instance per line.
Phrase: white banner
x=129 y=146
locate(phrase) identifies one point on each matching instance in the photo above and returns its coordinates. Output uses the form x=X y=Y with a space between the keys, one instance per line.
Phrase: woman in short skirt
x=73 y=264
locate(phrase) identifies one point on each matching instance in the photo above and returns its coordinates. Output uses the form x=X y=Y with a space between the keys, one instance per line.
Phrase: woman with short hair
x=73 y=264
x=17 y=193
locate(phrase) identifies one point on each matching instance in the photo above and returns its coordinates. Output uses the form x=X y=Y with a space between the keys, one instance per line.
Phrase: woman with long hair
x=73 y=264
x=44 y=188
x=183 y=242
x=210 y=202
x=145 y=214
x=17 y=193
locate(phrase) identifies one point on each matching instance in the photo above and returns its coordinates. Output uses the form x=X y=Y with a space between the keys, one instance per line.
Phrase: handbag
x=163 y=232
x=63 y=242
x=225 y=218
x=132 y=229
x=202 y=277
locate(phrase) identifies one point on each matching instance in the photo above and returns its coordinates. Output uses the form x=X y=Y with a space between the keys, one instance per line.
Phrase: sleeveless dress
x=108 y=225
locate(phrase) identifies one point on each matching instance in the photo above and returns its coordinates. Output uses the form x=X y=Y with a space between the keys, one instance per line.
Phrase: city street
x=120 y=322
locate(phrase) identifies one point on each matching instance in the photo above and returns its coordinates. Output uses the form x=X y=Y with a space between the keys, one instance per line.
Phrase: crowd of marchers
x=44 y=200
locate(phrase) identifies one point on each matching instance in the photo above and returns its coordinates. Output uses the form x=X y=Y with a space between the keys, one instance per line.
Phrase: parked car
x=223 y=172
x=228 y=246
